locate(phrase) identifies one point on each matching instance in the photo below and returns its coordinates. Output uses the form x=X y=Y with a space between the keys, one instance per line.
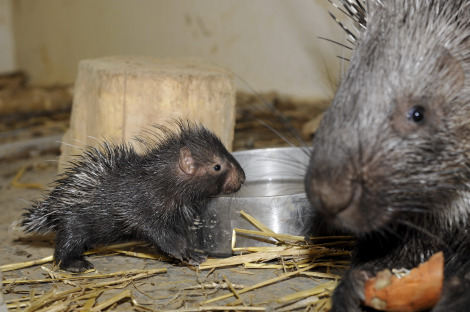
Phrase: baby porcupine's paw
x=349 y=294
x=177 y=247
x=196 y=257
x=181 y=251
x=193 y=257
x=76 y=265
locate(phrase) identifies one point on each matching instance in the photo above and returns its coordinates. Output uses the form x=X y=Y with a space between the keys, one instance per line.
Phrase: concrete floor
x=159 y=292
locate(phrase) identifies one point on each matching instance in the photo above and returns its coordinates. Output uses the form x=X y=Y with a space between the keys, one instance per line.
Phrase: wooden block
x=117 y=97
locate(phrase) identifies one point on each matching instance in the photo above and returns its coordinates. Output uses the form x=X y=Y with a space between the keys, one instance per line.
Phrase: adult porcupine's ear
x=186 y=161
x=449 y=71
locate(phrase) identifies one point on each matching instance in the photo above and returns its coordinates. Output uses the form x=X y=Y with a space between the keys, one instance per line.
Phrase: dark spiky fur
x=113 y=193
x=400 y=183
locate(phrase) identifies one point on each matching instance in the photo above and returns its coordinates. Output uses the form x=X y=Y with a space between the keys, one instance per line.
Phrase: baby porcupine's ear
x=186 y=161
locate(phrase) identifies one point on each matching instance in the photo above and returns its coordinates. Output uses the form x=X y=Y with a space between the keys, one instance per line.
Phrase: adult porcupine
x=113 y=193
x=391 y=159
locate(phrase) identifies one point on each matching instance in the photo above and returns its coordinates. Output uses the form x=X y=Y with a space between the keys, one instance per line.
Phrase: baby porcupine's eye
x=416 y=114
x=217 y=167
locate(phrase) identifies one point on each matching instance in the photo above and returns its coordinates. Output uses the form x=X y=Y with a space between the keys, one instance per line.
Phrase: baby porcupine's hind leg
x=69 y=248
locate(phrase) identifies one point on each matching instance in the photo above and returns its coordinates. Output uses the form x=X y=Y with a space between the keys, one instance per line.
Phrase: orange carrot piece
x=419 y=290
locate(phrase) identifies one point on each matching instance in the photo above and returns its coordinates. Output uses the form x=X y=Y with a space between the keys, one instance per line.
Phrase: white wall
x=7 y=51
x=272 y=44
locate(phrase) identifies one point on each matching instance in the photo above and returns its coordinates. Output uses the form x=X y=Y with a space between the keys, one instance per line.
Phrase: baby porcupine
x=112 y=193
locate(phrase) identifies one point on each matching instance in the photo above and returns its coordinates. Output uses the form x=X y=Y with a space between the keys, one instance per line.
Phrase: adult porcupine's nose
x=331 y=189
x=330 y=198
x=331 y=195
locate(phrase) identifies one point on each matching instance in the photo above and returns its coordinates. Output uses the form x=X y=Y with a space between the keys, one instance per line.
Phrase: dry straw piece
x=16 y=180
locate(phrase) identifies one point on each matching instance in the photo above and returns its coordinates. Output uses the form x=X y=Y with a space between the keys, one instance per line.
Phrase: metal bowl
x=273 y=194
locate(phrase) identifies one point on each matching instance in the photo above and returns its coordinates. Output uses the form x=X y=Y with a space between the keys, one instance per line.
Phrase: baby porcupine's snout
x=235 y=179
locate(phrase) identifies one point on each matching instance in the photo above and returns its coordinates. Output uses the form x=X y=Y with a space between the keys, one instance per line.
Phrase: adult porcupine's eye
x=217 y=167
x=416 y=114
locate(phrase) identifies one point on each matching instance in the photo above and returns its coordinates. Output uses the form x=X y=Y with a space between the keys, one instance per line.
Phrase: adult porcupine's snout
x=333 y=188
x=347 y=182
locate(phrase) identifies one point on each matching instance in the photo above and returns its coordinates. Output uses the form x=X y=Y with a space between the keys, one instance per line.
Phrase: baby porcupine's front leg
x=176 y=245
